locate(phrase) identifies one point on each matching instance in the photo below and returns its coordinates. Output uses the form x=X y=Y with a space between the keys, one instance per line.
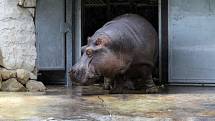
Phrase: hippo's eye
x=89 y=52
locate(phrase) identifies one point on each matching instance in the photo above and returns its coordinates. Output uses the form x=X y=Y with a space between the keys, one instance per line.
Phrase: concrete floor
x=91 y=104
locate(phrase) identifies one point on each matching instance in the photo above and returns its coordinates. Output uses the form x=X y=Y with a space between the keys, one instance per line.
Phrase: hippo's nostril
x=79 y=75
x=72 y=74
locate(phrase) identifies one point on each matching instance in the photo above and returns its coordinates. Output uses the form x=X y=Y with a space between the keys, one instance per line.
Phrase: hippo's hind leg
x=150 y=86
x=147 y=79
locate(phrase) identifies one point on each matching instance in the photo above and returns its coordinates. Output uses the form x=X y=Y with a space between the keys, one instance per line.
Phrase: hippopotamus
x=123 y=51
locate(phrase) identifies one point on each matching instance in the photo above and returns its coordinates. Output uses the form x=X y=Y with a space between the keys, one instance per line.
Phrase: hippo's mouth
x=93 y=80
x=88 y=81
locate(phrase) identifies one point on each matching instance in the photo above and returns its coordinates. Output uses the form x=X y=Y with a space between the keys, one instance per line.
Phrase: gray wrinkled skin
x=125 y=58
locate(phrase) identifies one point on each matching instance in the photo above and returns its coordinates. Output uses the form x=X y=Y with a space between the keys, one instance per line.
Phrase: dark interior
x=97 y=12
x=52 y=77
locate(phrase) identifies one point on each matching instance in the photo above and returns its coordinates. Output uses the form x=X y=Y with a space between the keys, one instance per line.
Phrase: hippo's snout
x=81 y=76
x=72 y=74
x=83 y=72
x=77 y=75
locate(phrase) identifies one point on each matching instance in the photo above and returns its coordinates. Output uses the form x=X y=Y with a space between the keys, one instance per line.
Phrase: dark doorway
x=97 y=12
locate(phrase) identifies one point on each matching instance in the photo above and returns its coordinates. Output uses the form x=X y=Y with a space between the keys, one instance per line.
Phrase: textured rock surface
x=33 y=76
x=12 y=85
x=29 y=3
x=22 y=75
x=7 y=74
x=1 y=58
x=0 y=81
x=17 y=38
x=33 y=86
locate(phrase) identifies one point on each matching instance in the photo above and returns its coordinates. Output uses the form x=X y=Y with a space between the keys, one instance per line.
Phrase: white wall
x=17 y=35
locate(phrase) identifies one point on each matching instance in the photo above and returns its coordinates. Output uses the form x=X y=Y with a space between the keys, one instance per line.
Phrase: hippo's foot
x=152 y=90
x=151 y=87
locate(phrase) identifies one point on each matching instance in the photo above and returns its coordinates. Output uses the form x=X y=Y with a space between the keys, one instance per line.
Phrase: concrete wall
x=17 y=35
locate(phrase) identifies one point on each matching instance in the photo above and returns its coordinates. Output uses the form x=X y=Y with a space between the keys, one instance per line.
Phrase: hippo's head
x=98 y=59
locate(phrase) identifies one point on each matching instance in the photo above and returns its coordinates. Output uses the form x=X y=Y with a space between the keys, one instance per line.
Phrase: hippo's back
x=133 y=33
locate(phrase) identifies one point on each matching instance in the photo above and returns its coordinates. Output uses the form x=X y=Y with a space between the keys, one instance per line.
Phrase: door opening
x=95 y=13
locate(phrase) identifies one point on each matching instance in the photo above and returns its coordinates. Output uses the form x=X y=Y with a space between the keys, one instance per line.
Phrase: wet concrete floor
x=92 y=104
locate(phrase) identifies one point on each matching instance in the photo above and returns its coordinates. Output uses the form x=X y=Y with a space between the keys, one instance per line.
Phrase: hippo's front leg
x=121 y=85
x=108 y=83
x=115 y=85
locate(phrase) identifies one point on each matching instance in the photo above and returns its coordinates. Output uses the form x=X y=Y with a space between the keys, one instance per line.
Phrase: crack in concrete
x=105 y=107
x=8 y=19
x=7 y=29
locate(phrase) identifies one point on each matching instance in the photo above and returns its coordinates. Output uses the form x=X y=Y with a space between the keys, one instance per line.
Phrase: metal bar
x=78 y=29
x=69 y=48
x=160 y=40
x=163 y=41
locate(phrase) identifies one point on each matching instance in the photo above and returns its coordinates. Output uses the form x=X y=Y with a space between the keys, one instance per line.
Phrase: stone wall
x=17 y=35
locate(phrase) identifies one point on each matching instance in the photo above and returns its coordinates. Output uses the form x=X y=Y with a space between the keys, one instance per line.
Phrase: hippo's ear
x=88 y=39
x=102 y=41
x=83 y=48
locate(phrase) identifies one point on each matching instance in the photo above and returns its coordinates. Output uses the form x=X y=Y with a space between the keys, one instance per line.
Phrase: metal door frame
x=163 y=40
x=73 y=35
x=163 y=35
